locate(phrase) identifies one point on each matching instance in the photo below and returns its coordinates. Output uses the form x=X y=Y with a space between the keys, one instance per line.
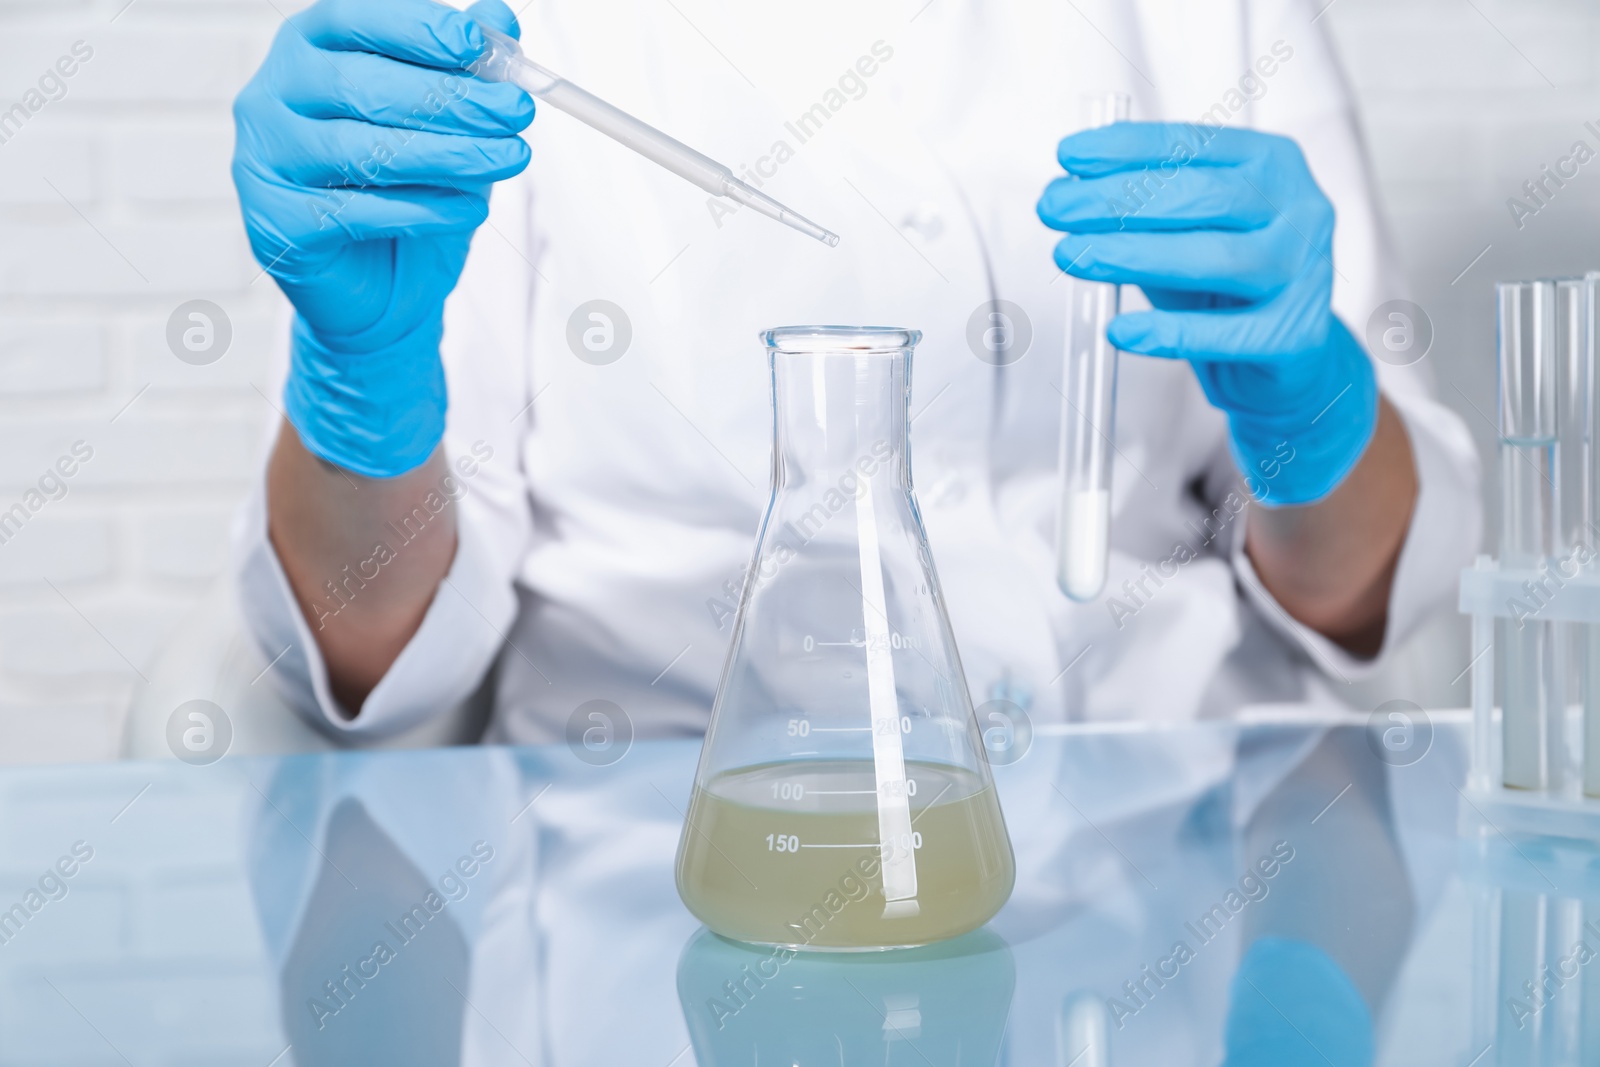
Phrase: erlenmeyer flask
x=843 y=799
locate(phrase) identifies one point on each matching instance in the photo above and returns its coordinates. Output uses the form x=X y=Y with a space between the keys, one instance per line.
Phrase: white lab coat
x=622 y=499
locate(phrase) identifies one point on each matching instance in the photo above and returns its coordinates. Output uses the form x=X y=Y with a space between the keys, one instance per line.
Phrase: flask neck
x=841 y=412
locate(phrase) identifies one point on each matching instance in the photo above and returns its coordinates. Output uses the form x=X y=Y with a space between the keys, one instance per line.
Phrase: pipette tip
x=739 y=192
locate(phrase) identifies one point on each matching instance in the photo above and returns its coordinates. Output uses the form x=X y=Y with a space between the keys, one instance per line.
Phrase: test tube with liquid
x=1088 y=413
x=1525 y=648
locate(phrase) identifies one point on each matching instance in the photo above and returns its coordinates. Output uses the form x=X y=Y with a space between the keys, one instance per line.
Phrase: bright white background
x=116 y=207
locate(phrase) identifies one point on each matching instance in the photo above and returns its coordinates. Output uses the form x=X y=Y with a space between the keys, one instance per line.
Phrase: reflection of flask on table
x=1530 y=704
x=843 y=799
x=943 y=1005
x=1088 y=414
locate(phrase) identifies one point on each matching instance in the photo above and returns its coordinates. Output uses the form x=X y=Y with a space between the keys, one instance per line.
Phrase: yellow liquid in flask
x=788 y=854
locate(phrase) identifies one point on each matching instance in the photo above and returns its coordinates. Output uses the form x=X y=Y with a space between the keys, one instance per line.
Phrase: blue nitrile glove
x=363 y=161
x=1290 y=1005
x=1232 y=242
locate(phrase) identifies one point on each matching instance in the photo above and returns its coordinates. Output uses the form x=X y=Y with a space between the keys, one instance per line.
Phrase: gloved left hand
x=1232 y=242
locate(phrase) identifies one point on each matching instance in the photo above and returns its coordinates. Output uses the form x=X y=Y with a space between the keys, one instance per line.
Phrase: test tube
x=1088 y=413
x=1588 y=641
x=1572 y=378
x=1528 y=477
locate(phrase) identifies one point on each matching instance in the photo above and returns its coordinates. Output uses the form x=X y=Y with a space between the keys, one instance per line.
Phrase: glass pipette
x=503 y=61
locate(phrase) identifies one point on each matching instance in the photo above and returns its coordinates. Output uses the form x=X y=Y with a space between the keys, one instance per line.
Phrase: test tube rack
x=1560 y=592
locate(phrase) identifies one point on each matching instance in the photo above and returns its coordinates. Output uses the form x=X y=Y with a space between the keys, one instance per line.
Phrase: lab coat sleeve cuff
x=440 y=666
x=1443 y=536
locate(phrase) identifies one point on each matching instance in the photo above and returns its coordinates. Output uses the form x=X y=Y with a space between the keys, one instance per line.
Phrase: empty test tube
x=1587 y=643
x=1528 y=477
x=1572 y=377
x=1088 y=413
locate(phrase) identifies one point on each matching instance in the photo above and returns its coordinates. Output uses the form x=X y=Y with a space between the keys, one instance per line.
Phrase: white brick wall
x=1456 y=118
x=141 y=218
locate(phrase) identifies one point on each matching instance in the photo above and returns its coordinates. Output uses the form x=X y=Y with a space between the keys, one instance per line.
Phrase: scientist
x=528 y=425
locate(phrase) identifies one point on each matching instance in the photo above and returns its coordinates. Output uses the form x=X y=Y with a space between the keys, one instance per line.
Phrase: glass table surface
x=1276 y=892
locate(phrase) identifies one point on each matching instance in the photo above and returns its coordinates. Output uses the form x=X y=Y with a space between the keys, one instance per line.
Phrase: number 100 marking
x=900 y=844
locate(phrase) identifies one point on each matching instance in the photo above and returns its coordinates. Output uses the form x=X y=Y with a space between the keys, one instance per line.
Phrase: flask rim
x=842 y=340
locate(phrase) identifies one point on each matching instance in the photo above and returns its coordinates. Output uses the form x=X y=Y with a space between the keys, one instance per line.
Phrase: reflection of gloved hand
x=363 y=162
x=1228 y=235
x=1291 y=1005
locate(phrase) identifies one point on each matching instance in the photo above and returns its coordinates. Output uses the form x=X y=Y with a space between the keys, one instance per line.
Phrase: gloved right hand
x=363 y=161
